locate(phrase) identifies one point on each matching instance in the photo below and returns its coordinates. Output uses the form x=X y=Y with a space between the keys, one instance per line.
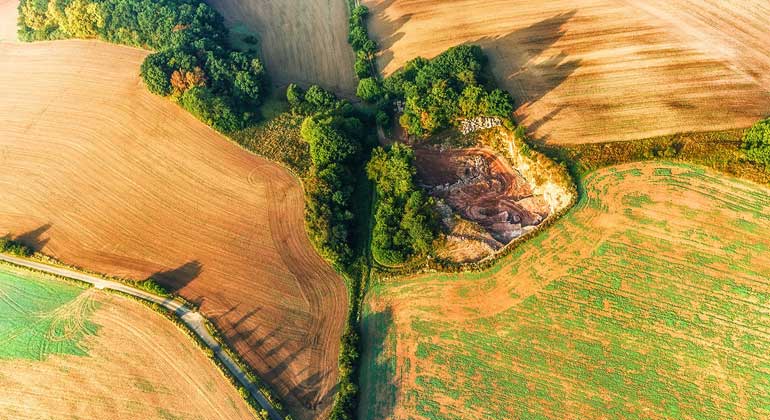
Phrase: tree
x=154 y=74
x=756 y=142
x=369 y=89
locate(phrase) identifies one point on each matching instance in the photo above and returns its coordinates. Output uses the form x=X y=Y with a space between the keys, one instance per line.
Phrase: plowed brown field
x=301 y=41
x=601 y=70
x=138 y=366
x=101 y=174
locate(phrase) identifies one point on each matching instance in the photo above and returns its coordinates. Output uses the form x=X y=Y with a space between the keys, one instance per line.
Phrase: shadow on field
x=33 y=238
x=176 y=279
x=377 y=372
x=518 y=59
x=392 y=27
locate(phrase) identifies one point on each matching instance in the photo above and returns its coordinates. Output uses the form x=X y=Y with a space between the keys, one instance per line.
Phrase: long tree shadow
x=516 y=59
x=380 y=384
x=33 y=238
x=177 y=278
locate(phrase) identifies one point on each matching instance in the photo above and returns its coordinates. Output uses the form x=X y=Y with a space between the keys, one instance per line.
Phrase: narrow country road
x=192 y=319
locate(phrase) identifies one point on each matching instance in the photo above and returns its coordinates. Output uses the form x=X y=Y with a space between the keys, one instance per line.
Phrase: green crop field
x=40 y=316
x=650 y=300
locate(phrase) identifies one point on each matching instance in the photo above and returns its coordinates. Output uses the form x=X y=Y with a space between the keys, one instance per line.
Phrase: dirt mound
x=482 y=188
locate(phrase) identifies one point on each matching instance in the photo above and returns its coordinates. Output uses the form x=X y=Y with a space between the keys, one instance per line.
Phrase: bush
x=9 y=246
x=335 y=146
x=369 y=89
x=756 y=142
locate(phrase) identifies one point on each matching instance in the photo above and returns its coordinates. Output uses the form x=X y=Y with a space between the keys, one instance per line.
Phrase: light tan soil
x=303 y=42
x=601 y=70
x=101 y=174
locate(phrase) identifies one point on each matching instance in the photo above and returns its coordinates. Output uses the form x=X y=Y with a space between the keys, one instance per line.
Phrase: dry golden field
x=85 y=353
x=601 y=70
x=300 y=41
x=101 y=174
x=8 y=15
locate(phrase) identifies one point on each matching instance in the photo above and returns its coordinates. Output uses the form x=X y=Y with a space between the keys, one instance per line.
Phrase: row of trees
x=405 y=222
x=194 y=62
x=334 y=134
x=441 y=91
x=756 y=142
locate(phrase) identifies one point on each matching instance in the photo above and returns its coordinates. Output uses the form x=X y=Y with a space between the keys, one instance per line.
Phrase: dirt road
x=191 y=318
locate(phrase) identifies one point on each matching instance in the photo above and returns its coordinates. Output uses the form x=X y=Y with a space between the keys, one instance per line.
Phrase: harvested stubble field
x=601 y=70
x=70 y=352
x=647 y=301
x=101 y=174
x=300 y=41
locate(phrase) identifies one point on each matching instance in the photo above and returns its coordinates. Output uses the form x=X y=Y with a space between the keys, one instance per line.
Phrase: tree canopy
x=405 y=223
x=756 y=142
x=439 y=92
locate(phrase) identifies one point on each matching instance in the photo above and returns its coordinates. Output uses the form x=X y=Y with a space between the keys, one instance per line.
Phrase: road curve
x=194 y=320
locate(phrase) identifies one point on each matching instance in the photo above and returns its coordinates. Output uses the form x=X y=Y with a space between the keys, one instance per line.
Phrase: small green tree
x=756 y=142
x=369 y=89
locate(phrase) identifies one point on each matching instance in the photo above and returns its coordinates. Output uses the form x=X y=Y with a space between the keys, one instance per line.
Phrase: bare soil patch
x=101 y=174
x=482 y=188
x=601 y=70
x=302 y=42
x=139 y=365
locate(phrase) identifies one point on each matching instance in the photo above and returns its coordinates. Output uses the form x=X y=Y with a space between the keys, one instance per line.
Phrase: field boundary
x=189 y=320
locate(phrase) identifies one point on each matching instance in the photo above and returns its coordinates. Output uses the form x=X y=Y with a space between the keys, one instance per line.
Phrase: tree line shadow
x=516 y=58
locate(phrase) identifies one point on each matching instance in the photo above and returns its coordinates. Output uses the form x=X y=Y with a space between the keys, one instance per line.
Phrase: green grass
x=666 y=317
x=41 y=316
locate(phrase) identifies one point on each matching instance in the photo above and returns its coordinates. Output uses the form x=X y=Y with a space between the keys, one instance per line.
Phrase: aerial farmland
x=384 y=209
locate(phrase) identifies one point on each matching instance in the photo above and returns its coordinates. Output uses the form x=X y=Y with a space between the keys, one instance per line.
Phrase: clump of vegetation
x=193 y=62
x=335 y=136
x=756 y=142
x=364 y=47
x=441 y=91
x=405 y=223
x=9 y=246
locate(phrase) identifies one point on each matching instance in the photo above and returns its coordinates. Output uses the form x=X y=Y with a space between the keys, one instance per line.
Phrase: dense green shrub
x=441 y=91
x=191 y=44
x=334 y=136
x=405 y=223
x=756 y=142
x=9 y=246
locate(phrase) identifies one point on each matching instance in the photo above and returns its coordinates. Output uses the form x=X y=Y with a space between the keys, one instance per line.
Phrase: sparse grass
x=600 y=316
x=278 y=139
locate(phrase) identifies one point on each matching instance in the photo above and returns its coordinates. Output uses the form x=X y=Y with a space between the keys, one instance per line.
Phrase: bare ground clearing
x=101 y=174
x=302 y=42
x=601 y=70
x=481 y=187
